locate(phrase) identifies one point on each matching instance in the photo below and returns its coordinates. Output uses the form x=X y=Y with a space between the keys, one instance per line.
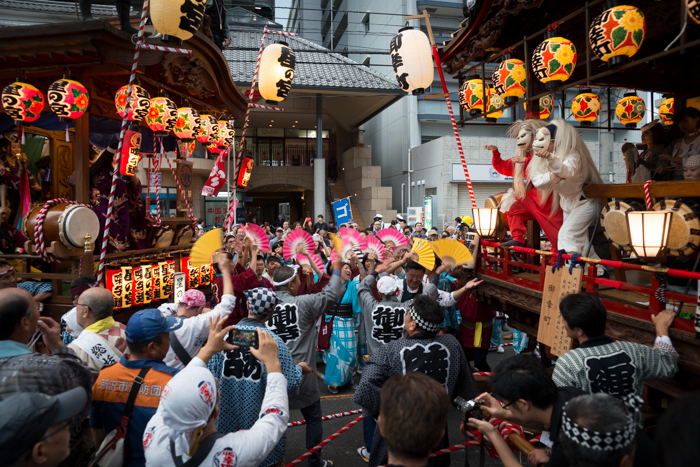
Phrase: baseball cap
x=399 y=217
x=193 y=298
x=279 y=229
x=145 y=325
x=25 y=417
x=433 y=232
x=387 y=285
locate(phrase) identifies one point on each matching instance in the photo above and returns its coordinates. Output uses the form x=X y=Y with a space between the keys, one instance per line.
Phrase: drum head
x=76 y=222
x=684 y=237
x=614 y=222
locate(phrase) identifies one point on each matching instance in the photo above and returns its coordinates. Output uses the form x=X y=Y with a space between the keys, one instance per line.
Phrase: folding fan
x=341 y=247
x=296 y=237
x=426 y=255
x=358 y=242
x=376 y=247
x=205 y=247
x=319 y=262
x=258 y=236
x=451 y=252
x=393 y=236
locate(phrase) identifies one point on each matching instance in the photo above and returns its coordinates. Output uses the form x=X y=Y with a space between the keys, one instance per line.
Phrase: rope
x=179 y=188
x=266 y=107
x=324 y=442
x=505 y=429
x=165 y=49
x=573 y=262
x=647 y=196
x=560 y=258
x=327 y=417
x=156 y=169
x=39 y=230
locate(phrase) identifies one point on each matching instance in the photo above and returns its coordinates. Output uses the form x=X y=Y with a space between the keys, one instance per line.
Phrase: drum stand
x=60 y=251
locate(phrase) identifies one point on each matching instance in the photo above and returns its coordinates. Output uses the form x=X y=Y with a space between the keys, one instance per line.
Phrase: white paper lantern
x=276 y=72
x=177 y=20
x=412 y=59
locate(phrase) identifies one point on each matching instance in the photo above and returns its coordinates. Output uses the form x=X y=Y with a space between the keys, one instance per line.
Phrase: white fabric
x=571 y=185
x=283 y=283
x=195 y=330
x=507 y=200
x=573 y=235
x=168 y=309
x=71 y=320
x=387 y=285
x=97 y=348
x=245 y=448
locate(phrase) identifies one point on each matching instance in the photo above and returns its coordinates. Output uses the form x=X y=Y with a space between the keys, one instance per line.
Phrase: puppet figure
x=518 y=203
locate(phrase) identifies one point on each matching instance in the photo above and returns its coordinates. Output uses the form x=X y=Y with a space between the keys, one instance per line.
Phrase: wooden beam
x=675 y=189
x=82 y=159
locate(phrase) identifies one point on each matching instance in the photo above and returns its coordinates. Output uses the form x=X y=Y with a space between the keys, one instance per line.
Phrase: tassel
x=20 y=133
x=67 y=138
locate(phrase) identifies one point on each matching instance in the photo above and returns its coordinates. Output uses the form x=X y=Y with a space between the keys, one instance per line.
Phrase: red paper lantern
x=147 y=281
x=187 y=123
x=208 y=129
x=139 y=104
x=22 y=102
x=471 y=95
x=618 y=33
x=162 y=115
x=510 y=80
x=554 y=61
x=166 y=288
x=137 y=286
x=586 y=107
x=131 y=156
x=246 y=171
x=127 y=277
x=156 y=281
x=68 y=99
x=114 y=282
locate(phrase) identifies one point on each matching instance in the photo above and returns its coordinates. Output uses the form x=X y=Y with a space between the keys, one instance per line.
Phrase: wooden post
x=82 y=159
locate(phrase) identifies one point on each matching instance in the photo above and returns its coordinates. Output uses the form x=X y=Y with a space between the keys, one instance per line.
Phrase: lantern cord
x=117 y=156
x=685 y=24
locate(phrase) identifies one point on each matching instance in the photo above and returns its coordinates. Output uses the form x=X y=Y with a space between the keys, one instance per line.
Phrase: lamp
x=139 y=104
x=68 y=99
x=129 y=161
x=494 y=108
x=187 y=123
x=694 y=10
x=666 y=111
x=546 y=106
x=277 y=65
x=161 y=116
x=630 y=110
x=649 y=231
x=412 y=60
x=485 y=221
x=471 y=95
x=586 y=108
x=22 y=102
x=617 y=33
x=177 y=20
x=554 y=60
x=208 y=129
x=510 y=79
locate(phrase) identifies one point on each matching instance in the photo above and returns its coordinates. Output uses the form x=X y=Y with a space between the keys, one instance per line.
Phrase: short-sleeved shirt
x=34 y=287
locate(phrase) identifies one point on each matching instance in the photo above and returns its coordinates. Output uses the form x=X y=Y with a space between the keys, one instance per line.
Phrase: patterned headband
x=11 y=137
x=283 y=283
x=532 y=130
x=604 y=441
x=423 y=324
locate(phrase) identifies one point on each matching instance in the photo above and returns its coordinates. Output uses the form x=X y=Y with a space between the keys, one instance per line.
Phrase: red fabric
x=529 y=209
x=314 y=287
x=242 y=281
x=474 y=311
x=505 y=167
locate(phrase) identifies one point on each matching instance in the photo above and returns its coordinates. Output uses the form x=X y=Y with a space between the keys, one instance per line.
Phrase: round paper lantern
x=208 y=129
x=471 y=95
x=694 y=10
x=617 y=33
x=630 y=110
x=177 y=20
x=68 y=99
x=187 y=123
x=666 y=111
x=412 y=60
x=139 y=104
x=586 y=107
x=162 y=116
x=494 y=109
x=510 y=80
x=22 y=102
x=225 y=135
x=554 y=61
x=546 y=106
x=276 y=72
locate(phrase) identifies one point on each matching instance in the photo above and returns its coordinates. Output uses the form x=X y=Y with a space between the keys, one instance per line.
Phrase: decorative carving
x=190 y=73
x=64 y=161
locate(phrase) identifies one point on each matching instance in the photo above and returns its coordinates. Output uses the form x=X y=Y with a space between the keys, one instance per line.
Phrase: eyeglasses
x=60 y=428
x=39 y=307
x=82 y=304
x=509 y=404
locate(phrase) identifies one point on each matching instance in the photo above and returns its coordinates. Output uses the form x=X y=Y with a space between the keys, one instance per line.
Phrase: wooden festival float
x=100 y=56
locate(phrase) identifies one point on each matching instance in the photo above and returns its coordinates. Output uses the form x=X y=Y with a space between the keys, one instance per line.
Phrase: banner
x=216 y=179
x=342 y=211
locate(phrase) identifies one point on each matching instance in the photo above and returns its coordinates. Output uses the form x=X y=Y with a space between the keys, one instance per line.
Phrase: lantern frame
x=485 y=221
x=585 y=120
x=503 y=75
x=555 y=47
x=649 y=232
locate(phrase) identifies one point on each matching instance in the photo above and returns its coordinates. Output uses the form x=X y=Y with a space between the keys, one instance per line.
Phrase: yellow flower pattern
x=564 y=55
x=632 y=21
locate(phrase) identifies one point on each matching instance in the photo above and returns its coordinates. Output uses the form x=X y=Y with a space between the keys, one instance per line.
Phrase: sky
x=281 y=14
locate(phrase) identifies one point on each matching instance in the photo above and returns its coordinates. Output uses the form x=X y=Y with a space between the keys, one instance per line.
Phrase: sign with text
x=342 y=211
x=557 y=285
x=414 y=215
x=477 y=173
x=179 y=287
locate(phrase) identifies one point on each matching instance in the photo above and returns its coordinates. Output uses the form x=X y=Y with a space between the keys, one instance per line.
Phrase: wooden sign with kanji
x=557 y=285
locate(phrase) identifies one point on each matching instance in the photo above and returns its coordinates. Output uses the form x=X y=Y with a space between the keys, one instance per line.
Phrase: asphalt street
x=343 y=450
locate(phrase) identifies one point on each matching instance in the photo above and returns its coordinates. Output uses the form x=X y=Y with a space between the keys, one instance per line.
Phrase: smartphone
x=244 y=338
x=267 y=224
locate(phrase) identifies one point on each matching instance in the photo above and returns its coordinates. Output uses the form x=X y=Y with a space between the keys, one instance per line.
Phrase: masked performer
x=518 y=204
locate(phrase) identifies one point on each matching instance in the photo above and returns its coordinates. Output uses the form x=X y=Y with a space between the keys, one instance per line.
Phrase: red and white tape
x=327 y=417
x=165 y=49
x=267 y=107
x=647 y=196
x=39 y=229
x=324 y=442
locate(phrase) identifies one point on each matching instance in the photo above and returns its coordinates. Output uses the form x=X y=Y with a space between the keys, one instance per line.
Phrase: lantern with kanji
x=630 y=110
x=666 y=111
x=510 y=80
x=546 y=106
x=617 y=33
x=224 y=137
x=68 y=99
x=277 y=65
x=208 y=129
x=471 y=95
x=127 y=277
x=187 y=123
x=147 y=281
x=137 y=285
x=412 y=60
x=494 y=110
x=23 y=102
x=131 y=156
x=177 y=20
x=162 y=116
x=694 y=10
x=554 y=61
x=139 y=104
x=586 y=108
x=114 y=282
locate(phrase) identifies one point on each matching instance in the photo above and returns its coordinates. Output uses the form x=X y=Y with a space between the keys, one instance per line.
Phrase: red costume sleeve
x=318 y=286
x=501 y=166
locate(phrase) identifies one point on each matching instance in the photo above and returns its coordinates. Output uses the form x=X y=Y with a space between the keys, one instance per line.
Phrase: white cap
x=378 y=216
x=387 y=285
x=399 y=217
x=316 y=237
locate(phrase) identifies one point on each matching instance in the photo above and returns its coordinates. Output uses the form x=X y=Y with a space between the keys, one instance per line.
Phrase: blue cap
x=146 y=325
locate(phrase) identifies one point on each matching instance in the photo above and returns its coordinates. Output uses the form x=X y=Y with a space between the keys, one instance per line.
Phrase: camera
x=470 y=407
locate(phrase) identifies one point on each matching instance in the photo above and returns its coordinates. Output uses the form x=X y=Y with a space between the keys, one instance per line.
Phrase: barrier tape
x=267 y=107
x=327 y=417
x=325 y=441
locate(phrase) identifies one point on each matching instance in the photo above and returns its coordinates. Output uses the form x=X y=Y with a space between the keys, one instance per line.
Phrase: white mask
x=543 y=140
x=524 y=141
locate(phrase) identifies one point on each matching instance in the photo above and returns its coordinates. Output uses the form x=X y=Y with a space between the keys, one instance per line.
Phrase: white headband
x=283 y=283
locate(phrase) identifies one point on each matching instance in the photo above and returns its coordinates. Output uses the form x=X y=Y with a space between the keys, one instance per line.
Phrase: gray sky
x=281 y=14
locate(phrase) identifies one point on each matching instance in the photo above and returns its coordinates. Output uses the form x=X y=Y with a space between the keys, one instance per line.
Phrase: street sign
x=342 y=211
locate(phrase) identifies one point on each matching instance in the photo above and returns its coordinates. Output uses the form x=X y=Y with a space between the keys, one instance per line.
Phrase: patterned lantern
x=114 y=282
x=187 y=123
x=666 y=111
x=137 y=286
x=630 y=110
x=618 y=33
x=127 y=277
x=208 y=129
x=166 y=289
x=554 y=61
x=224 y=138
x=546 y=106
x=162 y=116
x=471 y=95
x=147 y=281
x=22 y=102
x=510 y=80
x=130 y=158
x=412 y=59
x=276 y=72
x=68 y=99
x=694 y=10
x=177 y=20
x=139 y=104
x=586 y=107
x=155 y=281
x=495 y=107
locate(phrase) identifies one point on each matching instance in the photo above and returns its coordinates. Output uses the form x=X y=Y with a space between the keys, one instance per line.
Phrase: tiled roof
x=57 y=7
x=315 y=69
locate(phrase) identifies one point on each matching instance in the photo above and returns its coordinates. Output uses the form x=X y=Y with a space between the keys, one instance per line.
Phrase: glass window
x=296 y=151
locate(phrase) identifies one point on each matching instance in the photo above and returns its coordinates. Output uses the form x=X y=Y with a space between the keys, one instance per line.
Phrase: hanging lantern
x=471 y=95
x=162 y=116
x=630 y=110
x=495 y=108
x=177 y=20
x=276 y=72
x=224 y=137
x=586 y=108
x=147 y=281
x=666 y=111
x=22 y=102
x=68 y=99
x=510 y=80
x=166 y=288
x=127 y=277
x=139 y=104
x=208 y=129
x=485 y=221
x=649 y=232
x=617 y=33
x=412 y=60
x=694 y=10
x=131 y=156
x=554 y=61
x=137 y=286
x=155 y=281
x=114 y=282
x=187 y=123
x=546 y=106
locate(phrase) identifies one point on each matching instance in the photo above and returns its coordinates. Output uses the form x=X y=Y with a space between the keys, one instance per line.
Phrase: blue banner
x=342 y=211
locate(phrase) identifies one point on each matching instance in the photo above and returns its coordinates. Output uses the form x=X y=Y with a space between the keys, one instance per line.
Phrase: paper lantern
x=617 y=33
x=68 y=99
x=694 y=10
x=147 y=281
x=131 y=156
x=177 y=20
x=224 y=137
x=166 y=287
x=139 y=104
x=546 y=106
x=137 y=286
x=485 y=221
x=276 y=72
x=649 y=232
x=630 y=110
x=471 y=95
x=204 y=274
x=412 y=60
x=187 y=123
x=155 y=281
x=666 y=111
x=115 y=283
x=510 y=80
x=162 y=116
x=127 y=277
x=494 y=110
x=586 y=107
x=22 y=102
x=554 y=61
x=245 y=172
x=208 y=129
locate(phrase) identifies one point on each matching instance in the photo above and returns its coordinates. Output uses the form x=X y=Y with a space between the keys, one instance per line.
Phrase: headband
x=82 y=288
x=261 y=301
x=552 y=130
x=283 y=283
x=11 y=137
x=430 y=327
x=532 y=130
x=693 y=161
